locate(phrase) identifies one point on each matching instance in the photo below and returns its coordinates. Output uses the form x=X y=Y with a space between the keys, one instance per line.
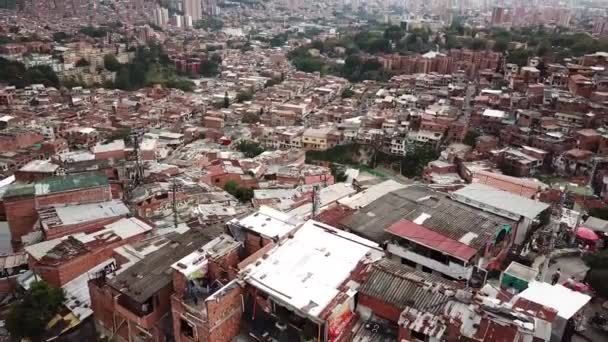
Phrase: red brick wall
x=115 y=155
x=59 y=275
x=255 y=256
x=29 y=177
x=21 y=216
x=20 y=140
x=227 y=263
x=86 y=227
x=254 y=242
x=225 y=315
x=89 y=195
x=380 y=308
x=179 y=283
x=8 y=285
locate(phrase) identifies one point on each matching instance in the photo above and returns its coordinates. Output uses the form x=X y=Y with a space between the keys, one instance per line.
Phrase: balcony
x=451 y=269
x=142 y=314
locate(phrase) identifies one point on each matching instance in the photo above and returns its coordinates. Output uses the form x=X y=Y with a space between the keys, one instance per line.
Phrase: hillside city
x=304 y=171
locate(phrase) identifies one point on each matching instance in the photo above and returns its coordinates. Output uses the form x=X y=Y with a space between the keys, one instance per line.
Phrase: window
x=186 y=329
x=417 y=336
x=407 y=262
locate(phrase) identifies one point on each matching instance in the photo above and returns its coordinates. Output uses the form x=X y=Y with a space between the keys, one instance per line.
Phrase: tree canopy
x=28 y=318
x=111 y=63
x=15 y=73
x=250 y=148
x=150 y=66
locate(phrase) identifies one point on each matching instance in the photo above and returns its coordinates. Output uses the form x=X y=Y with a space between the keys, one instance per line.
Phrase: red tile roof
x=518 y=186
x=426 y=237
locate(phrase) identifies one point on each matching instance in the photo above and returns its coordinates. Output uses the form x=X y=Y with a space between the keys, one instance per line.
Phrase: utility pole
x=174 y=202
x=553 y=232
x=315 y=201
x=554 y=225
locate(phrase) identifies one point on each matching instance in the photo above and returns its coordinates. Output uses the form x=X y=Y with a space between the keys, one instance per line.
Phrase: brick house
x=207 y=303
x=21 y=200
x=588 y=139
x=322 y=315
x=60 y=260
x=59 y=220
x=16 y=138
x=580 y=85
x=136 y=303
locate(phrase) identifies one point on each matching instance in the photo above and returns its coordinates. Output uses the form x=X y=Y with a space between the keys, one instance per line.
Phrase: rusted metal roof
x=403 y=287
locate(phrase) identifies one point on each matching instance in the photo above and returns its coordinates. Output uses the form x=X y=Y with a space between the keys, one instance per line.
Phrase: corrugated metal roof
x=403 y=287
x=149 y=275
x=426 y=237
x=500 y=200
x=13 y=260
x=431 y=209
x=70 y=182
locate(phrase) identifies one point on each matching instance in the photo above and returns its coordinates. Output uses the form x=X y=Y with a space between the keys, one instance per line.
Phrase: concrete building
x=529 y=214
x=193 y=9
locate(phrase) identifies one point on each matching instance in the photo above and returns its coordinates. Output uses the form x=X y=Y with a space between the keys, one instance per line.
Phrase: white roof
x=123 y=228
x=198 y=259
x=148 y=144
x=76 y=156
x=74 y=214
x=371 y=194
x=78 y=298
x=86 y=130
x=116 y=145
x=305 y=271
x=4 y=183
x=565 y=301
x=494 y=113
x=432 y=54
x=500 y=200
x=327 y=196
x=39 y=166
x=269 y=222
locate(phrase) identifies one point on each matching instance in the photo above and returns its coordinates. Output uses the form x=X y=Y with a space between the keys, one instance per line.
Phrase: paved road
x=570 y=266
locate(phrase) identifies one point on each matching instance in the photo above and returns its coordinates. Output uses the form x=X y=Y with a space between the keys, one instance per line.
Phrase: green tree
x=28 y=317
x=471 y=138
x=501 y=45
x=111 y=63
x=601 y=213
x=394 y=33
x=519 y=57
x=231 y=187
x=123 y=81
x=226 y=100
x=60 y=36
x=250 y=148
x=241 y=193
x=347 y=93
x=244 y=194
x=250 y=118
x=414 y=162
x=82 y=63
x=308 y=64
x=211 y=67
x=338 y=172
x=278 y=40
x=597 y=276
x=244 y=96
x=94 y=32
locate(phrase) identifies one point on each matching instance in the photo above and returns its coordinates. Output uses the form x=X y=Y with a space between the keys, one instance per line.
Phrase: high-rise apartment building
x=193 y=9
